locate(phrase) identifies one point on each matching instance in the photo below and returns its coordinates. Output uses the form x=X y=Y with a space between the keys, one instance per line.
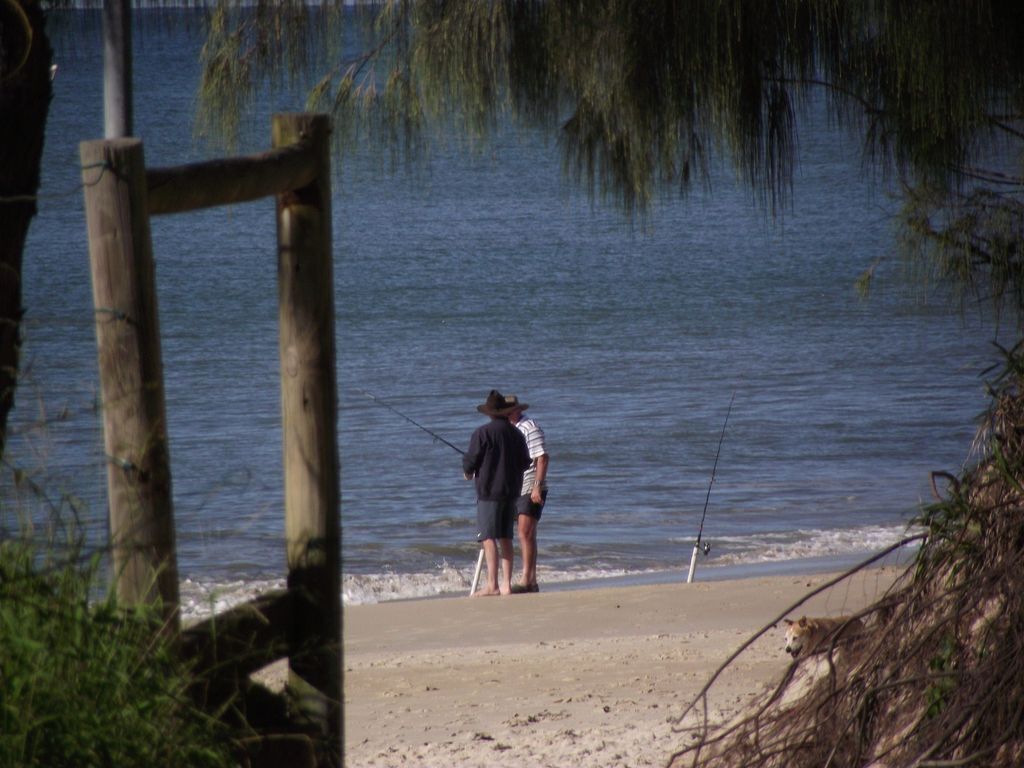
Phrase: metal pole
x=693 y=562
x=476 y=574
x=117 y=69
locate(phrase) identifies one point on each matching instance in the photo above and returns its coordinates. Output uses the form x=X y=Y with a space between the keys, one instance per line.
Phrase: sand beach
x=578 y=677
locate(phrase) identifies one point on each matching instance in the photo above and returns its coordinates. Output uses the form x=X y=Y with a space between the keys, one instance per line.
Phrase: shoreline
x=583 y=677
x=804 y=566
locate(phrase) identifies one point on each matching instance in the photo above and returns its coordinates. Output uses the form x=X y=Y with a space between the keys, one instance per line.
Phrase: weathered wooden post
x=309 y=430
x=131 y=374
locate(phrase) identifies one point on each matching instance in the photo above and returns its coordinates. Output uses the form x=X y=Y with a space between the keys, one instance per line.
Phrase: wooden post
x=131 y=374
x=309 y=404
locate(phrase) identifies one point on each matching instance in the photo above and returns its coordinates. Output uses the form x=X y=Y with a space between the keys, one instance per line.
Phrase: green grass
x=84 y=682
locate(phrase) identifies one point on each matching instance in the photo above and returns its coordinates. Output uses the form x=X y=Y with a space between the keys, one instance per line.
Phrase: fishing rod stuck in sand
x=700 y=531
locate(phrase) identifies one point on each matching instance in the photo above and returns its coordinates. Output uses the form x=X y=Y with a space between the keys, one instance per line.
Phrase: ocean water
x=490 y=270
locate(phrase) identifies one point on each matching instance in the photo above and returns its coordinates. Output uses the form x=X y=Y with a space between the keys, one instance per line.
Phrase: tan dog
x=806 y=635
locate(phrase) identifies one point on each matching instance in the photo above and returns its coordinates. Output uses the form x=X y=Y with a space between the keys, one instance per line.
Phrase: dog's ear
x=788 y=622
x=803 y=621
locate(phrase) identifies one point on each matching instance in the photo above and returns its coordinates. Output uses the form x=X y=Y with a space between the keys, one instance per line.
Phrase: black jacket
x=498 y=457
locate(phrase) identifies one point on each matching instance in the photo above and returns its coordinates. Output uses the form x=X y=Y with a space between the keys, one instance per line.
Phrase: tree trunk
x=25 y=93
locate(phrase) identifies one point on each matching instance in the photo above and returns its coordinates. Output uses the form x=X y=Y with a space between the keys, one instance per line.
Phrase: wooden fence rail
x=232 y=180
x=305 y=622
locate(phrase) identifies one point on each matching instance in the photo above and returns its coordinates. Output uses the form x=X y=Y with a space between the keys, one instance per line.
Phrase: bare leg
x=528 y=546
x=491 y=558
x=506 y=566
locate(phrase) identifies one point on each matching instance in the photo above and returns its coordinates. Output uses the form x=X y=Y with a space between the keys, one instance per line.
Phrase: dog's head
x=796 y=635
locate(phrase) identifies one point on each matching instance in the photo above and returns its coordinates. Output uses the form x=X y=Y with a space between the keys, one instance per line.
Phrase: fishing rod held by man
x=391 y=408
x=437 y=437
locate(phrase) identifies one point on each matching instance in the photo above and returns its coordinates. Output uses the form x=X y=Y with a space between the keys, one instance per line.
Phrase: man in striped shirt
x=534 y=493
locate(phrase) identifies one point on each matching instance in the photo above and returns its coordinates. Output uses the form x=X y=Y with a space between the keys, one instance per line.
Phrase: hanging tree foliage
x=645 y=96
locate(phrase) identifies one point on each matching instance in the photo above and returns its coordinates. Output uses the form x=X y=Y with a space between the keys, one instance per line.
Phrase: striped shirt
x=535 y=443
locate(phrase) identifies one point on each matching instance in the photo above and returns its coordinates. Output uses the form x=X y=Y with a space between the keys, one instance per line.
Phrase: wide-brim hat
x=496 y=405
x=513 y=402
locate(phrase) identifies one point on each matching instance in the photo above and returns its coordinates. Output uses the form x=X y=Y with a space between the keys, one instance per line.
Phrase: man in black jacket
x=497 y=458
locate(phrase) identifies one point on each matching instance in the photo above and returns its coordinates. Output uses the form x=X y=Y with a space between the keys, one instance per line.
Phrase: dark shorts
x=525 y=505
x=494 y=519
